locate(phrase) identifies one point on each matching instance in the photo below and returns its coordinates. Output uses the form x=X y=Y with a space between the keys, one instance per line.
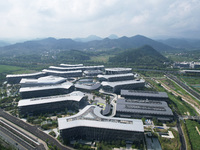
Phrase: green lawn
x=193 y=133
x=6 y=68
x=181 y=106
x=101 y=58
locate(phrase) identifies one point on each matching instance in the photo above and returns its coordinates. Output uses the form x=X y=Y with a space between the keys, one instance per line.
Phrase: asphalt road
x=184 y=86
x=181 y=135
x=15 y=140
x=34 y=130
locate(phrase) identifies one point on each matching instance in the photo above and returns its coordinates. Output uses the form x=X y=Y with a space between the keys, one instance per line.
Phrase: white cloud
x=80 y=18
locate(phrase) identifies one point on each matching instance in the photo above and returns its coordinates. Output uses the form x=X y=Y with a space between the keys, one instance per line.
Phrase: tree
x=107 y=99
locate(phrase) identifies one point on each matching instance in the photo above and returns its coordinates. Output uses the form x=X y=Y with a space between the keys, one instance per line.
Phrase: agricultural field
x=193 y=129
x=180 y=106
x=170 y=144
x=193 y=82
x=101 y=58
x=6 y=68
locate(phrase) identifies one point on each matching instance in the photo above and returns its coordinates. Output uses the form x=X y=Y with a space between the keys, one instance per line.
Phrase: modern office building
x=116 y=77
x=89 y=124
x=88 y=87
x=16 y=78
x=51 y=104
x=144 y=95
x=65 y=74
x=118 y=70
x=92 y=73
x=83 y=68
x=116 y=87
x=42 y=81
x=181 y=65
x=195 y=65
x=191 y=72
x=50 y=90
x=71 y=65
x=134 y=108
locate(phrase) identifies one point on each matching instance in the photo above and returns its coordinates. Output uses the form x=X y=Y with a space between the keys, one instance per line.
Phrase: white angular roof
x=90 y=116
x=74 y=96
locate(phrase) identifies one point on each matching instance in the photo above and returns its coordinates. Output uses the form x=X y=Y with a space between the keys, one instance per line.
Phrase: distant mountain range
x=94 y=38
x=3 y=43
x=52 y=44
x=187 y=44
x=144 y=55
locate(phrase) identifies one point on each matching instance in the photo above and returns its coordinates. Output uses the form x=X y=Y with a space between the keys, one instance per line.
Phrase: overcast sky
x=22 y=19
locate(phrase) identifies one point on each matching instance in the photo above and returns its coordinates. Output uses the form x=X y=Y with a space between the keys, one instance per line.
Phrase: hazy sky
x=81 y=18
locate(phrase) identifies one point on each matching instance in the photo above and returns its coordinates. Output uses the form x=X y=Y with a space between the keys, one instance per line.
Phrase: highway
x=182 y=138
x=184 y=86
x=15 y=140
x=34 y=130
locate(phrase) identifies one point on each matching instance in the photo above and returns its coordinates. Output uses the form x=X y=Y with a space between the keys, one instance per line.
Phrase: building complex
x=144 y=95
x=50 y=104
x=41 y=91
x=42 y=81
x=65 y=74
x=134 y=108
x=116 y=77
x=16 y=78
x=118 y=70
x=116 y=87
x=82 y=68
x=89 y=124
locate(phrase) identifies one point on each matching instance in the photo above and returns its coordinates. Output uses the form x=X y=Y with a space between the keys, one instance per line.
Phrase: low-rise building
x=82 y=68
x=181 y=65
x=92 y=73
x=65 y=74
x=144 y=95
x=50 y=90
x=116 y=77
x=191 y=72
x=133 y=108
x=16 y=78
x=88 y=87
x=118 y=70
x=71 y=65
x=41 y=105
x=42 y=81
x=116 y=87
x=89 y=124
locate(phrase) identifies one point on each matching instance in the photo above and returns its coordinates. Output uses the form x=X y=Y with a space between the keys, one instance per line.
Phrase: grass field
x=193 y=82
x=171 y=144
x=6 y=68
x=181 y=106
x=193 y=134
x=101 y=58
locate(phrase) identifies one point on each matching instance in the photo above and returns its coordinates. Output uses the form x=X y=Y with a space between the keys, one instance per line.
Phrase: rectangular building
x=82 y=68
x=65 y=74
x=116 y=77
x=118 y=70
x=41 y=91
x=89 y=124
x=116 y=87
x=133 y=108
x=16 y=78
x=144 y=95
x=42 y=81
x=71 y=65
x=35 y=106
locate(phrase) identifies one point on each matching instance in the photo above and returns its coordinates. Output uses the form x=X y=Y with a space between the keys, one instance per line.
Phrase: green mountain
x=52 y=44
x=144 y=55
